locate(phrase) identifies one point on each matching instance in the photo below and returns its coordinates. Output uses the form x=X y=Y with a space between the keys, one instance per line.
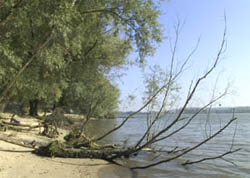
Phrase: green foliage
x=86 y=41
x=94 y=96
x=53 y=149
x=153 y=81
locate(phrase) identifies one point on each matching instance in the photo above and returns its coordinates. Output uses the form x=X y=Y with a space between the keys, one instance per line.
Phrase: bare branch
x=168 y=85
x=131 y=115
x=192 y=92
x=191 y=118
x=234 y=133
x=231 y=162
x=188 y=150
x=188 y=58
x=171 y=79
x=209 y=110
x=211 y=158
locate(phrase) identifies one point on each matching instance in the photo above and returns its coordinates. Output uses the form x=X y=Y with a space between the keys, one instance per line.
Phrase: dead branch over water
x=78 y=145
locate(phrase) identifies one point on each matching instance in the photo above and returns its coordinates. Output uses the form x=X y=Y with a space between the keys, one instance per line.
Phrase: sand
x=19 y=162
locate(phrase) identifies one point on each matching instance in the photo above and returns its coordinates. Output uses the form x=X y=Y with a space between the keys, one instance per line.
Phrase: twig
x=131 y=115
x=234 y=133
x=211 y=158
x=190 y=119
x=171 y=79
x=190 y=96
x=231 y=162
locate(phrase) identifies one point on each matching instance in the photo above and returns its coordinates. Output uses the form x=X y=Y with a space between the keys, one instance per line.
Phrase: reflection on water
x=236 y=165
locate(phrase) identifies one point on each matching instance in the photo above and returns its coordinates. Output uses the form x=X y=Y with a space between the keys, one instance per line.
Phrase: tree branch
x=190 y=96
x=172 y=78
x=131 y=115
x=211 y=158
x=188 y=150
x=190 y=119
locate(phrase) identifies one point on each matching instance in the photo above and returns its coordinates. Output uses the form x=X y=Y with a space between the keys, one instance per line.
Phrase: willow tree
x=42 y=42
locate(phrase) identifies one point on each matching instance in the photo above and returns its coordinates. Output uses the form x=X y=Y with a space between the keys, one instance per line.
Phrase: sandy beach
x=19 y=162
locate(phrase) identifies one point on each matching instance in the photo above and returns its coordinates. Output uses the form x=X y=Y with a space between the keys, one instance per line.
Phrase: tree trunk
x=59 y=149
x=2 y=106
x=33 y=107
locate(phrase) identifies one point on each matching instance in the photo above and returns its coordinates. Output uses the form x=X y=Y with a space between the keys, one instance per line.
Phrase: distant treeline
x=194 y=110
x=218 y=110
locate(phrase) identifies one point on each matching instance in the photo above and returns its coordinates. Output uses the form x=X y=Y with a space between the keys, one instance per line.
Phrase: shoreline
x=19 y=162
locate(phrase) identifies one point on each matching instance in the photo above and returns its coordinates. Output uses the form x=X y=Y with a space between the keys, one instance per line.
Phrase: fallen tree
x=77 y=145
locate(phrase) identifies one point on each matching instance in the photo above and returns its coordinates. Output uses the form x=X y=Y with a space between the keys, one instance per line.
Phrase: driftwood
x=23 y=125
x=22 y=142
x=18 y=127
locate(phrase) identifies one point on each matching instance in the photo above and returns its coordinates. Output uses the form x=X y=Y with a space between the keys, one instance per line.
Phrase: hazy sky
x=204 y=19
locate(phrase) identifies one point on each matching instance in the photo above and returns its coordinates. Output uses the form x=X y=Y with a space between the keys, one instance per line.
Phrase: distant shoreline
x=192 y=110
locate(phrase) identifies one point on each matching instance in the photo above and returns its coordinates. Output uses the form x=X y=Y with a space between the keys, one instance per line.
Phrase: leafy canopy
x=86 y=40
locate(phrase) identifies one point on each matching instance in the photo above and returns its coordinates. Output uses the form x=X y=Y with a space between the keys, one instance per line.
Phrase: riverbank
x=19 y=162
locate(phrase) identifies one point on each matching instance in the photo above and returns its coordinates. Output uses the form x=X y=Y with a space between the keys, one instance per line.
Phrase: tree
x=93 y=95
x=49 y=38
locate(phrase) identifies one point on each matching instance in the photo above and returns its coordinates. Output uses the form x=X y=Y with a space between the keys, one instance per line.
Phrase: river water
x=236 y=165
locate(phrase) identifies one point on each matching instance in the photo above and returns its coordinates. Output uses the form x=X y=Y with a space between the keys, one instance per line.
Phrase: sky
x=205 y=20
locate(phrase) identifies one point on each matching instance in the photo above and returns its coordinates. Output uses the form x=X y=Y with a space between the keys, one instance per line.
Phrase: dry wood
x=211 y=158
x=21 y=142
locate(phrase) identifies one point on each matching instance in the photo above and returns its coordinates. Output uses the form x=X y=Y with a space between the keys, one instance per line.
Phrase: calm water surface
x=236 y=165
